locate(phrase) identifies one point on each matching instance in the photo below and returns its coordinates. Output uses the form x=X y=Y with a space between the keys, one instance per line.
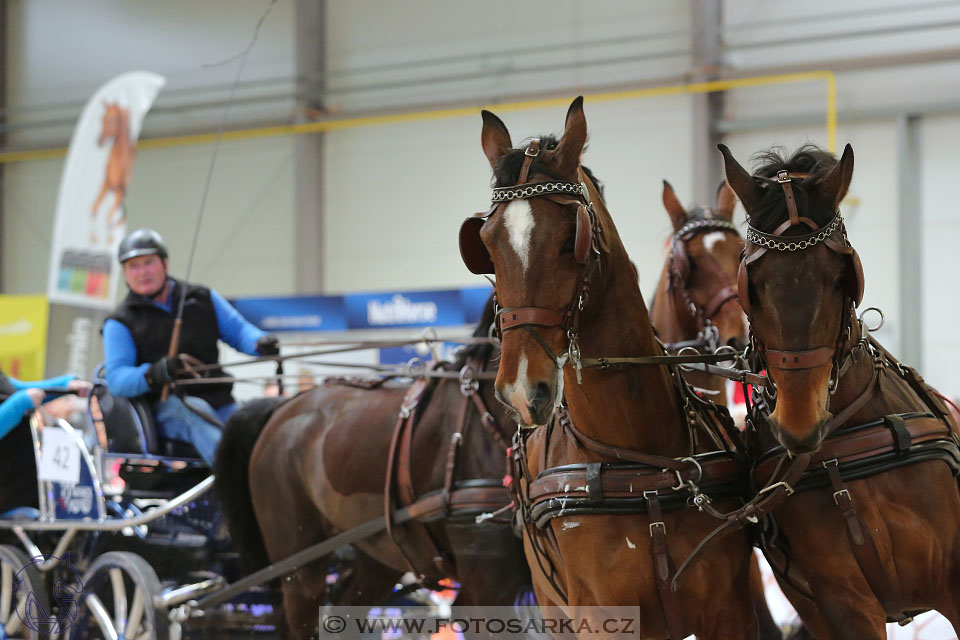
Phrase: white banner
x=90 y=217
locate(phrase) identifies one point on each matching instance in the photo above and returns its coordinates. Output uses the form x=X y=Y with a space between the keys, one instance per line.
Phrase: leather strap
x=404 y=483
x=805 y=359
x=783 y=177
x=620 y=453
x=456 y=440
x=864 y=547
x=718 y=300
x=528 y=316
x=663 y=567
x=860 y=445
x=388 y=490
x=611 y=482
x=766 y=500
x=533 y=150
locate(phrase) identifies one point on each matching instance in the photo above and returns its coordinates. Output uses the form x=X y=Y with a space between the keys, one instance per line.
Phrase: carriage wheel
x=120 y=592
x=18 y=579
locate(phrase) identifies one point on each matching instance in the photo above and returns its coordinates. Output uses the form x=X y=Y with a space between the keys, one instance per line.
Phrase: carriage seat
x=130 y=426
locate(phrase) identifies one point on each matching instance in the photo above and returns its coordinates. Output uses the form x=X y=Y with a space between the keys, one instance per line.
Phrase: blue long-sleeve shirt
x=125 y=376
x=13 y=408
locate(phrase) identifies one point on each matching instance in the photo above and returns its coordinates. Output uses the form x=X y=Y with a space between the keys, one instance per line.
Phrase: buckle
x=775 y=486
x=692 y=483
x=533 y=149
x=660 y=524
x=783 y=176
x=837 y=494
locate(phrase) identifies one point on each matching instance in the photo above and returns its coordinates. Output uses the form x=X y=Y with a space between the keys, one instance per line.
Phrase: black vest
x=152 y=328
x=18 y=466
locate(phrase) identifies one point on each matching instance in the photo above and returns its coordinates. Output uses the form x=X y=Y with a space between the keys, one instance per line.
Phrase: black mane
x=772 y=212
x=507 y=171
x=480 y=351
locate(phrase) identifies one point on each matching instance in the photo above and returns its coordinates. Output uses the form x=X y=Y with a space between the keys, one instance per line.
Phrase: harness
x=456 y=499
x=679 y=273
x=634 y=482
x=848 y=452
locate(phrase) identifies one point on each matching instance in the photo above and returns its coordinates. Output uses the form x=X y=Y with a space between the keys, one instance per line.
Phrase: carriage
x=128 y=535
x=120 y=536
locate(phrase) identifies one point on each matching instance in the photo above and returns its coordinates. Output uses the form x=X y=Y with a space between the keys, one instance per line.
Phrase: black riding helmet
x=142 y=242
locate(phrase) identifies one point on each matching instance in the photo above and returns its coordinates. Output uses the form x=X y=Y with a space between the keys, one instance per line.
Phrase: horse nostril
x=736 y=343
x=541 y=395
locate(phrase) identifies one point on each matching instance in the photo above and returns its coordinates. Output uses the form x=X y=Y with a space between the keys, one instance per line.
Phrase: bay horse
x=873 y=529
x=296 y=472
x=601 y=490
x=695 y=307
x=695 y=304
x=116 y=127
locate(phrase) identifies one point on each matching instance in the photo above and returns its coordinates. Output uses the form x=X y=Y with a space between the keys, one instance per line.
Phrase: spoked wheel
x=23 y=597
x=119 y=599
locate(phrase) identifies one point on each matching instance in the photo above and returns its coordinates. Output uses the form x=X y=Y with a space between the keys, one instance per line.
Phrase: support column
x=910 y=237
x=707 y=48
x=308 y=217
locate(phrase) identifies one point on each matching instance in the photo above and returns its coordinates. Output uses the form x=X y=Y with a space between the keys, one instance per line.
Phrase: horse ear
x=567 y=154
x=833 y=187
x=742 y=183
x=726 y=201
x=494 y=138
x=678 y=215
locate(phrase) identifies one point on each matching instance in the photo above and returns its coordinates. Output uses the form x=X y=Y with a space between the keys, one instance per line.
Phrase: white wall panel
x=940 y=270
x=60 y=52
x=396 y=194
x=432 y=51
x=245 y=243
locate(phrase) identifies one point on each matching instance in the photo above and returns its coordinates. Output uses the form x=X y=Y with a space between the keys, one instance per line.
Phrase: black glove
x=268 y=345
x=163 y=371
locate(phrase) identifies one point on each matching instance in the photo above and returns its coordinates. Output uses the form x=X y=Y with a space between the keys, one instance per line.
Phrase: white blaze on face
x=516 y=393
x=518 y=217
x=711 y=239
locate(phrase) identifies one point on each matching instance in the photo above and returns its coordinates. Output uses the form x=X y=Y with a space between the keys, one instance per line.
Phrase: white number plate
x=60 y=459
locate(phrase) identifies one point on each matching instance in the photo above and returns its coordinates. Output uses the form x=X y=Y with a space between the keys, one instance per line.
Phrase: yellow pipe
x=350 y=123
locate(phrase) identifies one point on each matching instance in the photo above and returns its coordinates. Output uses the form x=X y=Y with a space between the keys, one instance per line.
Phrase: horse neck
x=634 y=406
x=666 y=316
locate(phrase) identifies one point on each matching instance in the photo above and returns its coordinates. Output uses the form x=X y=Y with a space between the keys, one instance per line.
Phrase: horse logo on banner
x=116 y=127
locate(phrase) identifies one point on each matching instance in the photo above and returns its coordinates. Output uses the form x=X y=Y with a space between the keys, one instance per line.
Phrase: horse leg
x=769 y=630
x=96 y=206
x=302 y=599
x=370 y=582
x=111 y=215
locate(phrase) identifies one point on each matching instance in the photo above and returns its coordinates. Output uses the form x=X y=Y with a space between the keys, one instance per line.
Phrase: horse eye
x=568 y=245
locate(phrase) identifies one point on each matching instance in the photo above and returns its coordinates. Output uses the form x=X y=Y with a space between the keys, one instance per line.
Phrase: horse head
x=799 y=281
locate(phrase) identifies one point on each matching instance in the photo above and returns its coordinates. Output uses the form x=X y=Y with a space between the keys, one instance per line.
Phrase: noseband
x=833 y=235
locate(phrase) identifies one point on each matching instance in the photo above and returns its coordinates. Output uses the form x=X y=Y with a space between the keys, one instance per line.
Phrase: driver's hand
x=37 y=396
x=80 y=387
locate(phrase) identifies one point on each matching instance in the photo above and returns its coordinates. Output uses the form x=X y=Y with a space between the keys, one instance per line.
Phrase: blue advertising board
x=302 y=313
x=405 y=309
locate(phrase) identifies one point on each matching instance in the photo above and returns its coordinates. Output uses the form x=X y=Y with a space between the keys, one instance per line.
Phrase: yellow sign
x=23 y=336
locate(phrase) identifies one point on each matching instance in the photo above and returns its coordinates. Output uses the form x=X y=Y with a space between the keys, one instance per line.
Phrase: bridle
x=679 y=272
x=588 y=246
x=833 y=235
